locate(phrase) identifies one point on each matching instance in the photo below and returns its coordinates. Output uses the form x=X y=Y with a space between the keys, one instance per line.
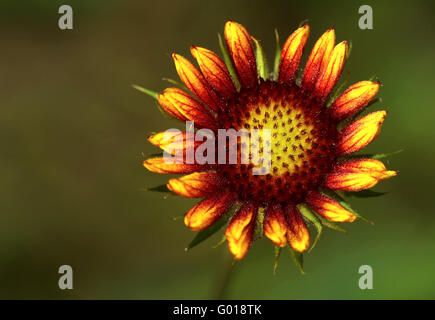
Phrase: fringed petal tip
x=168 y=105
x=291 y=54
x=354 y=99
x=174 y=142
x=181 y=105
x=275 y=226
x=286 y=225
x=360 y=133
x=330 y=74
x=298 y=235
x=240 y=48
x=168 y=166
x=195 y=185
x=164 y=139
x=329 y=208
x=318 y=59
x=195 y=82
x=357 y=175
x=240 y=231
x=214 y=71
x=208 y=211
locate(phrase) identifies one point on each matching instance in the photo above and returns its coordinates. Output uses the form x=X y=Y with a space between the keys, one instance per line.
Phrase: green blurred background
x=73 y=137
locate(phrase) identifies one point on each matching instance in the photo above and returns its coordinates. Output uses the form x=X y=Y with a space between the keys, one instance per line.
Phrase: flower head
x=300 y=157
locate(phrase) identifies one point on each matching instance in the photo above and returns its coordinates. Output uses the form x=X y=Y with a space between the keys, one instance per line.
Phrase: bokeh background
x=72 y=189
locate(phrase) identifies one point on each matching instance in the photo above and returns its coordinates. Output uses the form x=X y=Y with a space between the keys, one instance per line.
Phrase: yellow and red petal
x=195 y=185
x=291 y=54
x=242 y=53
x=161 y=165
x=168 y=106
x=318 y=59
x=240 y=231
x=298 y=235
x=177 y=102
x=214 y=71
x=360 y=133
x=195 y=82
x=354 y=99
x=208 y=211
x=331 y=73
x=329 y=208
x=371 y=166
x=275 y=226
x=357 y=175
x=171 y=143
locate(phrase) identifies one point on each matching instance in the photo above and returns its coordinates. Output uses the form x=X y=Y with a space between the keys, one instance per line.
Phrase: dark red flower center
x=302 y=138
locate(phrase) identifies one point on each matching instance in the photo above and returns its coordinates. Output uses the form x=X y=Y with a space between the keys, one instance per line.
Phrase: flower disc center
x=302 y=138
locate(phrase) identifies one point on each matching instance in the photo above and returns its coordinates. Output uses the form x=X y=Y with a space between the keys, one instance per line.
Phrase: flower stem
x=224 y=278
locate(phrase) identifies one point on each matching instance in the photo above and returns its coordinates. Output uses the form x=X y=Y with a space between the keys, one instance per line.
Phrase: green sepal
x=221 y=242
x=277 y=253
x=161 y=188
x=331 y=225
x=228 y=63
x=260 y=57
x=151 y=93
x=364 y=194
x=176 y=83
x=155 y=155
x=374 y=78
x=277 y=57
x=346 y=205
x=259 y=224
x=154 y=95
x=385 y=155
x=349 y=48
x=312 y=217
x=298 y=259
x=207 y=233
x=376 y=156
